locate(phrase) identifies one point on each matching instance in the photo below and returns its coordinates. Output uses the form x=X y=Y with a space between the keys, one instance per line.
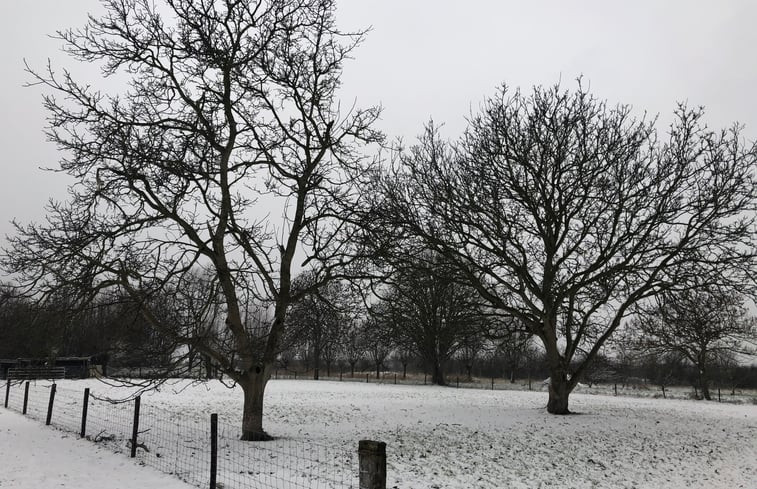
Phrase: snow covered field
x=463 y=438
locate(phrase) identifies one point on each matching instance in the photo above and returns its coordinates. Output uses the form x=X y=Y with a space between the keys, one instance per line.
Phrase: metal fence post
x=50 y=405
x=372 y=464
x=135 y=429
x=7 y=391
x=84 y=406
x=213 y=449
x=26 y=397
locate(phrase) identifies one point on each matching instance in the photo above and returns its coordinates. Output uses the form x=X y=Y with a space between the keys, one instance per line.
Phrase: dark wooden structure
x=40 y=368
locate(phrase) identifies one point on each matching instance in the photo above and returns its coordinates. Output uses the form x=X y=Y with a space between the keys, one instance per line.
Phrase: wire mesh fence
x=183 y=446
x=283 y=463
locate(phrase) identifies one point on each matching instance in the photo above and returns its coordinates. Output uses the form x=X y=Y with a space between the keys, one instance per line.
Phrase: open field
x=465 y=438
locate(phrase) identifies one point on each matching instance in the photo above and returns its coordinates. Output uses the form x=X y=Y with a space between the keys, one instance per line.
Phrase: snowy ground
x=35 y=457
x=463 y=438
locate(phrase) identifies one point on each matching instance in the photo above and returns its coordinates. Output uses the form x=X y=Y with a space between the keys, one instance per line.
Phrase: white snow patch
x=36 y=457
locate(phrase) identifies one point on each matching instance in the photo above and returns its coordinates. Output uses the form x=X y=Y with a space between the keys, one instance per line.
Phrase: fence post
x=457 y=381
x=395 y=379
x=367 y=378
x=718 y=394
x=372 y=464
x=213 y=449
x=135 y=429
x=615 y=387
x=50 y=405
x=26 y=397
x=84 y=406
x=492 y=382
x=7 y=391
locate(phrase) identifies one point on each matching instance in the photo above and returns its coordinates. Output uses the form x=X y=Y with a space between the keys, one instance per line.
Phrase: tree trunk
x=404 y=370
x=437 y=374
x=704 y=384
x=559 y=390
x=352 y=369
x=378 y=370
x=253 y=385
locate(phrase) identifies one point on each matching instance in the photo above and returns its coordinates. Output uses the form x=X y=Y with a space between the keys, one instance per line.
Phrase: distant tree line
x=432 y=328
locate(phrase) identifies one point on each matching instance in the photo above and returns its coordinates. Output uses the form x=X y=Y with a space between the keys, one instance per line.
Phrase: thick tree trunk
x=437 y=374
x=559 y=390
x=208 y=368
x=253 y=385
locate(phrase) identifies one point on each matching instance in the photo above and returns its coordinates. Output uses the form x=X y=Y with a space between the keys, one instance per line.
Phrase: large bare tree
x=228 y=152
x=563 y=212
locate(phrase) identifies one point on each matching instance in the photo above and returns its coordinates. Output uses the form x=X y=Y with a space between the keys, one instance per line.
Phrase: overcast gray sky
x=440 y=58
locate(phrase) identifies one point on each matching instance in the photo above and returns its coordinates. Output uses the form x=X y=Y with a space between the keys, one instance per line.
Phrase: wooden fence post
x=84 y=406
x=372 y=464
x=213 y=449
x=50 y=405
x=7 y=391
x=135 y=429
x=492 y=382
x=26 y=397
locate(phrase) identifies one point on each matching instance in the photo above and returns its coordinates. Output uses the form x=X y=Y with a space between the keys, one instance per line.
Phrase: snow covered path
x=38 y=457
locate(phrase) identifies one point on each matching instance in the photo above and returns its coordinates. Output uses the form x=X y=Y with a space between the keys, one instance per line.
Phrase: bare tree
x=378 y=341
x=563 y=212
x=317 y=320
x=354 y=344
x=424 y=308
x=228 y=152
x=705 y=325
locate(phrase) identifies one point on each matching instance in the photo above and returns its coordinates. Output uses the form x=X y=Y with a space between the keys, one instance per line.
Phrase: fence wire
x=177 y=445
x=283 y=463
